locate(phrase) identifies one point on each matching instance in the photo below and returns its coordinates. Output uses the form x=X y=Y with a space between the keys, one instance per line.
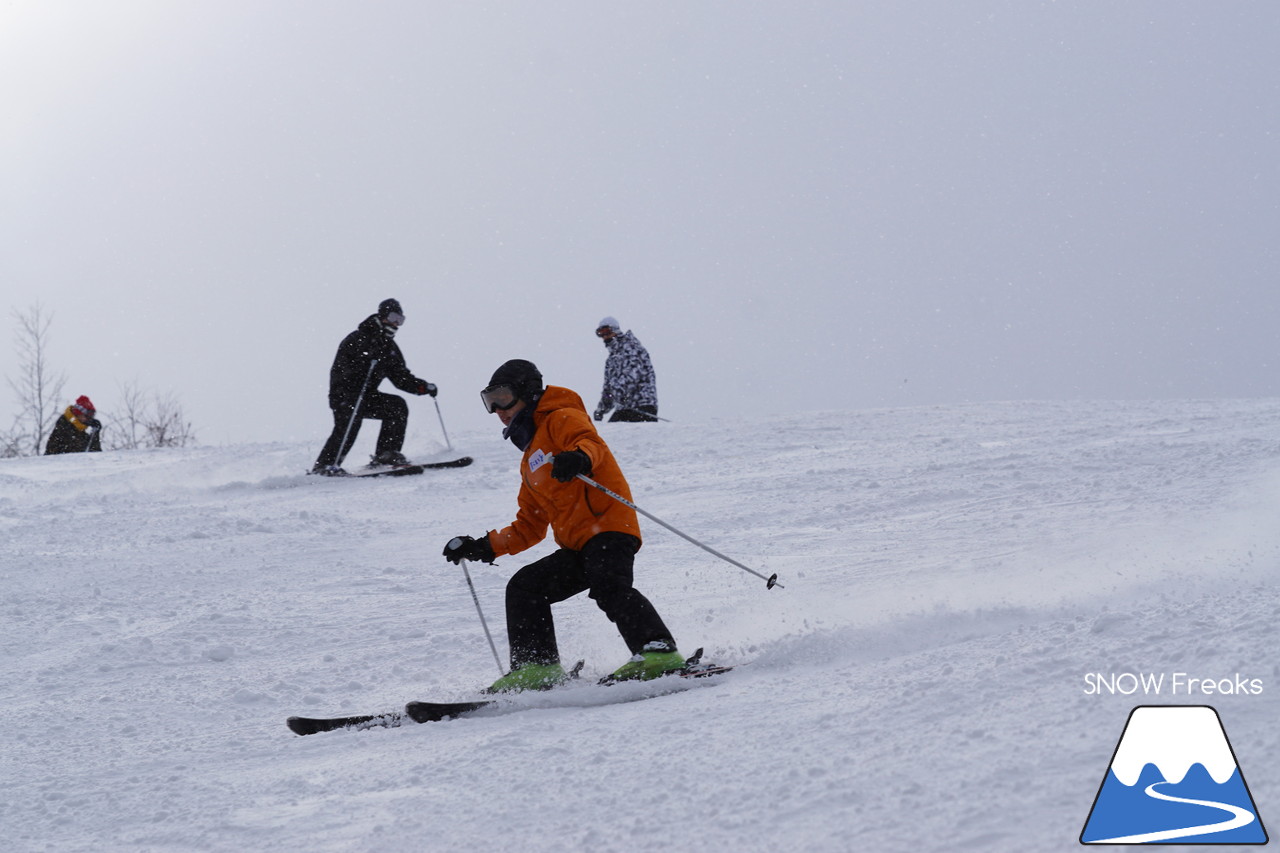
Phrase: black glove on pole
x=569 y=464
x=468 y=548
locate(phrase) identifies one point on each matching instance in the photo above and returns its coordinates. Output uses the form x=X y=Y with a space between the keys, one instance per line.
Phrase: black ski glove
x=569 y=464
x=466 y=548
x=428 y=389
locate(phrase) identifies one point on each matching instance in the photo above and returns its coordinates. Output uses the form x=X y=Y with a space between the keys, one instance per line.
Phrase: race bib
x=537 y=459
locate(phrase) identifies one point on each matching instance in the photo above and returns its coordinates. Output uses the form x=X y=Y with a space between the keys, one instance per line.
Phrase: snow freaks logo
x=1173 y=779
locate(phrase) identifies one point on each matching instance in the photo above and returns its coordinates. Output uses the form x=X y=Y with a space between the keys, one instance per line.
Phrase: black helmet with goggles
x=514 y=381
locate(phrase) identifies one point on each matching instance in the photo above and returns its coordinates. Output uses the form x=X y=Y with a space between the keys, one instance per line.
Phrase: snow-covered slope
x=953 y=576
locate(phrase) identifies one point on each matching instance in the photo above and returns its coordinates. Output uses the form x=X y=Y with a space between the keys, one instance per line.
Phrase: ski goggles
x=498 y=398
x=605 y=332
x=394 y=319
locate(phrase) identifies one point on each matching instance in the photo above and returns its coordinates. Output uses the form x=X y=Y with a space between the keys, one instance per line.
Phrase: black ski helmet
x=523 y=377
x=390 y=306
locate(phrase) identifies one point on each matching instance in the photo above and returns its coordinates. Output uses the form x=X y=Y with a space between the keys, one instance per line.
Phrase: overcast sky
x=794 y=205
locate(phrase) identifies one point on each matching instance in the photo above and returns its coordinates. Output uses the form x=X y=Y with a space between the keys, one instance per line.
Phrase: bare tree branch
x=38 y=388
x=168 y=426
x=132 y=410
x=142 y=422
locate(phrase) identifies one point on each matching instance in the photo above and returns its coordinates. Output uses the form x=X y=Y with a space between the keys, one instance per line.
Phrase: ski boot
x=388 y=457
x=329 y=471
x=531 y=676
x=657 y=659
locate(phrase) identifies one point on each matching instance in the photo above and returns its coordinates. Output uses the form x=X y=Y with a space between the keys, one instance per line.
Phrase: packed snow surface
x=963 y=585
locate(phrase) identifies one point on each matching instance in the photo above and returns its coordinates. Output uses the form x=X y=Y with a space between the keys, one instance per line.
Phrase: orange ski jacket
x=574 y=511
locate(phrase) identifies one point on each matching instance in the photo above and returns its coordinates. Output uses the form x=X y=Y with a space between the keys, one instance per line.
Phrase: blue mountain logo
x=1173 y=779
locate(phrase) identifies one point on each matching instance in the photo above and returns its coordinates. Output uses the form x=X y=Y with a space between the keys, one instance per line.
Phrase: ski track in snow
x=952 y=574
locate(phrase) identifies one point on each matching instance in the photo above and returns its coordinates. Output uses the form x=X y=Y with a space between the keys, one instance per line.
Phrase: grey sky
x=798 y=205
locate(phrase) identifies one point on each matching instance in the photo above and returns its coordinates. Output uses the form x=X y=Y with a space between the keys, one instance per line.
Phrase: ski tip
x=312 y=725
x=302 y=725
x=460 y=462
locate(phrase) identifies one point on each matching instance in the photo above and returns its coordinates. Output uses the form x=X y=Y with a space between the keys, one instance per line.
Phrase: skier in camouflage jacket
x=630 y=387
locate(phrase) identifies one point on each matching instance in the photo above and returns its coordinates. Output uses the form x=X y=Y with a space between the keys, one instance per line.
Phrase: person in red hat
x=77 y=431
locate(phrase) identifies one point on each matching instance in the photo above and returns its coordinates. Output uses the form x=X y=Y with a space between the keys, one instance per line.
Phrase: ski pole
x=447 y=442
x=770 y=582
x=483 y=623
x=342 y=448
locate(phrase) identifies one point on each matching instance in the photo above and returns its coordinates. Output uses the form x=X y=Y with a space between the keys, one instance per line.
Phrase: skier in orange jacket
x=598 y=536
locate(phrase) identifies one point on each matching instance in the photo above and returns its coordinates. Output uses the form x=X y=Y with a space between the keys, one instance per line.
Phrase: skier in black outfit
x=366 y=357
x=77 y=430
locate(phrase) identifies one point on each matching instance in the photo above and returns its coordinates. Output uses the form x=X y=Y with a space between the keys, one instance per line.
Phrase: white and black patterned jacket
x=629 y=381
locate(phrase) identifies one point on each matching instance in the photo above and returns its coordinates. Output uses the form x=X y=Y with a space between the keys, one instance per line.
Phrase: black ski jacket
x=351 y=365
x=72 y=435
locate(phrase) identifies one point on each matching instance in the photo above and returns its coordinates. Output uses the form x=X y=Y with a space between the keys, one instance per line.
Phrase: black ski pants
x=603 y=568
x=393 y=411
x=637 y=415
